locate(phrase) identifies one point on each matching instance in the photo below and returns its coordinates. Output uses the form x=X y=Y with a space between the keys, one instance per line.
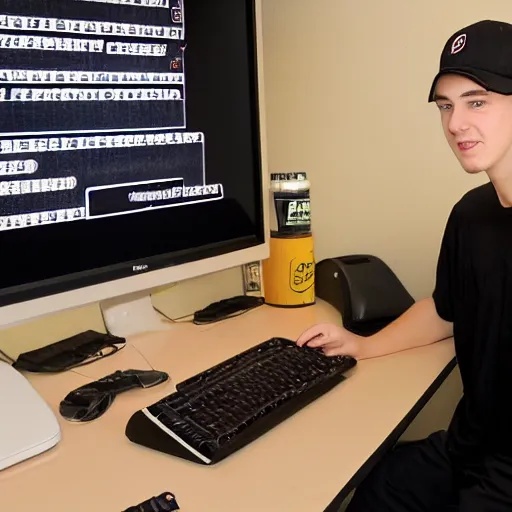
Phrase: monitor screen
x=129 y=138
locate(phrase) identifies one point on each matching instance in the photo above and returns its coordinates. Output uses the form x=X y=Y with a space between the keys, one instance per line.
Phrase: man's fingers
x=333 y=351
x=309 y=335
x=320 y=341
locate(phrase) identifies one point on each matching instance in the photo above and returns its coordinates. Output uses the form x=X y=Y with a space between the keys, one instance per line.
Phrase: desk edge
x=391 y=440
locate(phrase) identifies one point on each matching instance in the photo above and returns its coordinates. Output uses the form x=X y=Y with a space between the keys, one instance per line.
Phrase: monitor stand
x=132 y=314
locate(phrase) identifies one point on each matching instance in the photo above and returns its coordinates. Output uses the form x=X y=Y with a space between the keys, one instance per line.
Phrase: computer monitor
x=132 y=148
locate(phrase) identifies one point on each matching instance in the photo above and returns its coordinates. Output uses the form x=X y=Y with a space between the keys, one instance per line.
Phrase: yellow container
x=289 y=272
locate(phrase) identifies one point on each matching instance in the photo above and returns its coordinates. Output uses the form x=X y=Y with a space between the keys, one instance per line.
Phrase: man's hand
x=420 y=325
x=334 y=340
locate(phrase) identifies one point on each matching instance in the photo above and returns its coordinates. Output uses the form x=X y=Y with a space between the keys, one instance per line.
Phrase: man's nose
x=459 y=121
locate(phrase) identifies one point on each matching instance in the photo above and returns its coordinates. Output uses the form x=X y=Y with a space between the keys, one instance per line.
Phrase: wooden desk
x=308 y=463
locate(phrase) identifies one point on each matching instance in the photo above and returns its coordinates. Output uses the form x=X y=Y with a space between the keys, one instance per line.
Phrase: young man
x=469 y=467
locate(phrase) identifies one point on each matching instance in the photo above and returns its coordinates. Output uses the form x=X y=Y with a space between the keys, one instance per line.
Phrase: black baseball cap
x=481 y=52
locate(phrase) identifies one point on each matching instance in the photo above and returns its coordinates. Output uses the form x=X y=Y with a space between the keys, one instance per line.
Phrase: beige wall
x=346 y=90
x=346 y=86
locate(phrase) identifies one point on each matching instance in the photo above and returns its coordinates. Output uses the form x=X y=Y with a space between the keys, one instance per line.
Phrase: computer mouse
x=85 y=405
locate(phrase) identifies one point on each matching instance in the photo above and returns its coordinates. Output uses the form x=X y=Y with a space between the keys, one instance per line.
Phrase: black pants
x=419 y=477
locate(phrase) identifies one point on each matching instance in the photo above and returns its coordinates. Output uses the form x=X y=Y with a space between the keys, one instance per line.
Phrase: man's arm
x=427 y=321
x=418 y=326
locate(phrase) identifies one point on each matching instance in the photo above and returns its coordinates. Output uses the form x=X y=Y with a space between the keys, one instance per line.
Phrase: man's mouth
x=466 y=145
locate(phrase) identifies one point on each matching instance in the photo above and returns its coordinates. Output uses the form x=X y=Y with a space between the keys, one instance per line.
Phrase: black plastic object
x=220 y=410
x=78 y=350
x=227 y=308
x=163 y=503
x=364 y=290
x=291 y=203
x=92 y=400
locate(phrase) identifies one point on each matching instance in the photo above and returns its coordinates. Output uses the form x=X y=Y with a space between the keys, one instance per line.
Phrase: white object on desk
x=28 y=426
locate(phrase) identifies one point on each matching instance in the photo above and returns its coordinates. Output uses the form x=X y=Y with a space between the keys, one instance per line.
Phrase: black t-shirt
x=474 y=291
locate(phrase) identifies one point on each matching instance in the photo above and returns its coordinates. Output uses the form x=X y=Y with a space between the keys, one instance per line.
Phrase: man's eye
x=444 y=106
x=477 y=104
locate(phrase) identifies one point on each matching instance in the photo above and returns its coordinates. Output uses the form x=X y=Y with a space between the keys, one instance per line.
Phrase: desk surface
x=300 y=465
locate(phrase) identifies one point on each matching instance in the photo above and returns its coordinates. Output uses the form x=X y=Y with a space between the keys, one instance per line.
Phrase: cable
x=130 y=345
x=179 y=320
x=7 y=359
x=143 y=356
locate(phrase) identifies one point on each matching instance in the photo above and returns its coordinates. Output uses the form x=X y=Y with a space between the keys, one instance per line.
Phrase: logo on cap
x=458 y=44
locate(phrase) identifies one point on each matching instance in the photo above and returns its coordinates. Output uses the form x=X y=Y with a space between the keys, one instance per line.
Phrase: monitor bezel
x=40 y=298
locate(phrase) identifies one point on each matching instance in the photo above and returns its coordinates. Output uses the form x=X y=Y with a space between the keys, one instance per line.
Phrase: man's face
x=476 y=123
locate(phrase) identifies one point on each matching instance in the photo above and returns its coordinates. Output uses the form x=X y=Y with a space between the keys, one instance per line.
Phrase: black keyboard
x=222 y=409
